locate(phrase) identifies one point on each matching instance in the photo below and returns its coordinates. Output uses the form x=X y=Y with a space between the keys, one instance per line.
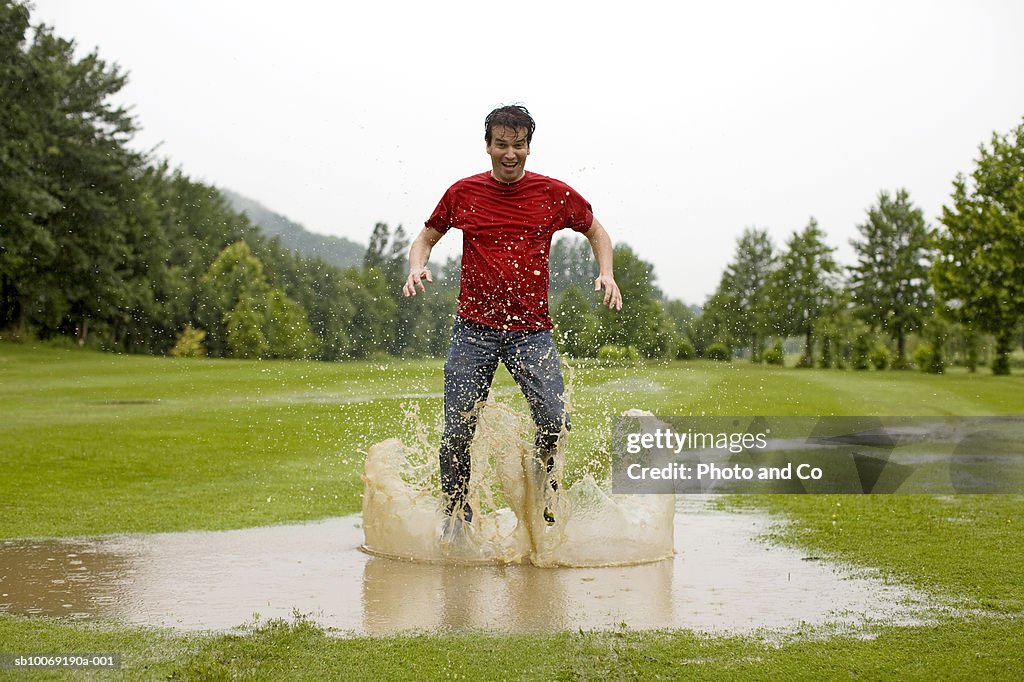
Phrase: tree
x=572 y=263
x=684 y=321
x=90 y=170
x=889 y=283
x=837 y=327
x=803 y=286
x=66 y=258
x=980 y=268
x=575 y=324
x=255 y=319
x=742 y=298
x=388 y=252
x=27 y=247
x=642 y=322
x=234 y=303
x=331 y=307
x=385 y=266
x=245 y=322
x=373 y=322
x=288 y=333
x=713 y=326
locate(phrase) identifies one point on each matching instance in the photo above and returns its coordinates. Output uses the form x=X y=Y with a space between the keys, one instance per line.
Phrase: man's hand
x=419 y=254
x=601 y=244
x=415 y=281
x=612 y=295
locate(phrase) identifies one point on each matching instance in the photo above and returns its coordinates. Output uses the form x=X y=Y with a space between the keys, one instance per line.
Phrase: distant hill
x=334 y=250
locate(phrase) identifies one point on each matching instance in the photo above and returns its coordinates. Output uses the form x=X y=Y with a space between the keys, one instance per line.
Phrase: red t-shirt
x=506 y=242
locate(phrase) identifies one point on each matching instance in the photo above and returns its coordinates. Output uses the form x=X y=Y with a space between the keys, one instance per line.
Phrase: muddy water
x=722 y=579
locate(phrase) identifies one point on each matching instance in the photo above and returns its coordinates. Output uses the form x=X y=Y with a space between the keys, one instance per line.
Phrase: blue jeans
x=532 y=360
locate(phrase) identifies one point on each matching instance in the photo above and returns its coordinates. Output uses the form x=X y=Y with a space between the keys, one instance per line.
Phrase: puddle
x=723 y=579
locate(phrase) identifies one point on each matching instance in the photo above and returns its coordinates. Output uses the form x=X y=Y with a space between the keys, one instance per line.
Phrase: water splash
x=403 y=518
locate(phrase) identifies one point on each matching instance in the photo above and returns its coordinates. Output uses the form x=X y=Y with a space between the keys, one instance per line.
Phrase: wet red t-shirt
x=506 y=242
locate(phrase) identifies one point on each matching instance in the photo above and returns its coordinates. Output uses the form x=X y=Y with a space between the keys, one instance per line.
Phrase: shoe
x=453 y=530
x=550 y=502
x=458 y=539
x=457 y=525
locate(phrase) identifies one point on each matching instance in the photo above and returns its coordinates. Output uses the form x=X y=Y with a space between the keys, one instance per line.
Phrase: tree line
x=106 y=247
x=951 y=286
x=103 y=246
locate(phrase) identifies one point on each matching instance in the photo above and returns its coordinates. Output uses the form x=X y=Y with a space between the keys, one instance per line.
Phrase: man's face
x=508 y=151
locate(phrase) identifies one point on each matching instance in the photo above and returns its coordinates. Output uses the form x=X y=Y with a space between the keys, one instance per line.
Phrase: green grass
x=970 y=648
x=233 y=444
x=100 y=443
x=965 y=548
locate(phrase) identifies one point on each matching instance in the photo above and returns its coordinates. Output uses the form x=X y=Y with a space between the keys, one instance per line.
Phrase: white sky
x=682 y=123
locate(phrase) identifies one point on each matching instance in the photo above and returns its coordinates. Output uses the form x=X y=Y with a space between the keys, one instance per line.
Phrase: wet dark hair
x=513 y=116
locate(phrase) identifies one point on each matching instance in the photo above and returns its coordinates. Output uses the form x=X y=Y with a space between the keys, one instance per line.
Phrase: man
x=508 y=217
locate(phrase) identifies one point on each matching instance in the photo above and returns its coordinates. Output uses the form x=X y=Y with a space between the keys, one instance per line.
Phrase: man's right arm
x=419 y=254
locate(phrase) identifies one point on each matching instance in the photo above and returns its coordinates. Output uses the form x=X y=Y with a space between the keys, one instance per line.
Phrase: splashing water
x=403 y=517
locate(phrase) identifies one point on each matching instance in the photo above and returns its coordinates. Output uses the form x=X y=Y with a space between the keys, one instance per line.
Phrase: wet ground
x=724 y=578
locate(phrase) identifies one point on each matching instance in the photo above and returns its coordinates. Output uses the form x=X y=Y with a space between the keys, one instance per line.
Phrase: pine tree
x=889 y=283
x=803 y=286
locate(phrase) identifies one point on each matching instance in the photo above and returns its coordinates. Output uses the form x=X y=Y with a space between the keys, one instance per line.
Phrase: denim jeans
x=532 y=360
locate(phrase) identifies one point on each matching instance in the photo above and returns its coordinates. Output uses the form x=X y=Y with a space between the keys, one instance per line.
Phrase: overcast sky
x=682 y=123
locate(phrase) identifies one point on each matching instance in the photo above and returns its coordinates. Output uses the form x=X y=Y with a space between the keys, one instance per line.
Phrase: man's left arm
x=601 y=244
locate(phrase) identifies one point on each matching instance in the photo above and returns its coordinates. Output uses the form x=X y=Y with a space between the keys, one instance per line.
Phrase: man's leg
x=533 y=362
x=468 y=371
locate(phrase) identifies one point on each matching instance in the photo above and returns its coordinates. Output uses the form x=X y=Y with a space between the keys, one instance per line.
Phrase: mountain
x=334 y=250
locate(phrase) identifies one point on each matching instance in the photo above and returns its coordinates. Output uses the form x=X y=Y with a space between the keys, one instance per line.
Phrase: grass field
x=97 y=443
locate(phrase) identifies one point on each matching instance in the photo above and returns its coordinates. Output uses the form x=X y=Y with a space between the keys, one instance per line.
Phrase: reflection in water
x=400 y=595
x=722 y=579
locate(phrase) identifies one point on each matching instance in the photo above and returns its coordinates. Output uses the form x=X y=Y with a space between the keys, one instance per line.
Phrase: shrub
x=860 y=353
x=60 y=341
x=929 y=358
x=190 y=343
x=922 y=354
x=718 y=351
x=901 y=363
x=880 y=356
x=15 y=335
x=618 y=353
x=685 y=350
x=775 y=355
